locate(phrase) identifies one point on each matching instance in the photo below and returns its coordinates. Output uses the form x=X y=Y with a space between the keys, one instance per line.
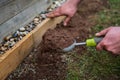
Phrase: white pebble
x=22 y=29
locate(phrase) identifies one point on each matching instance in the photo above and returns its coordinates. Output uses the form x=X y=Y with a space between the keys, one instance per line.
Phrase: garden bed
x=46 y=62
x=10 y=60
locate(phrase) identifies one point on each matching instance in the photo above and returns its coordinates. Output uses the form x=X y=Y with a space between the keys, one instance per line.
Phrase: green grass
x=115 y=4
x=95 y=65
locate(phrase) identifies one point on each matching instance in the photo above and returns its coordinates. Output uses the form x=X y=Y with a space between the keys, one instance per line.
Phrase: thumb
x=66 y=21
x=103 y=32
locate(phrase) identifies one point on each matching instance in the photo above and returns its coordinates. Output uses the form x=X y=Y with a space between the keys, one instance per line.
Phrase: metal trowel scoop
x=88 y=42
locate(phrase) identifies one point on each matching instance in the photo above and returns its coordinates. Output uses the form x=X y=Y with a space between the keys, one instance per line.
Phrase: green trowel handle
x=93 y=41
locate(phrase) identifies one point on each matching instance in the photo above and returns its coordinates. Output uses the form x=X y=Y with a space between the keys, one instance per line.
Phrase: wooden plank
x=12 y=58
x=26 y=46
x=9 y=62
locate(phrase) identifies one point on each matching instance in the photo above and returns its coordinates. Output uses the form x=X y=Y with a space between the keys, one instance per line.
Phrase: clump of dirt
x=44 y=63
x=62 y=37
x=58 y=38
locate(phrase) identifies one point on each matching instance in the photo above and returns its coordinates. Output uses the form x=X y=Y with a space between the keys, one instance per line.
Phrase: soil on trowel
x=45 y=62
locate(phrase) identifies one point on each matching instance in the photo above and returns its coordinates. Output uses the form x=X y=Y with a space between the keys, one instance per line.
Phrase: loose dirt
x=58 y=38
x=45 y=62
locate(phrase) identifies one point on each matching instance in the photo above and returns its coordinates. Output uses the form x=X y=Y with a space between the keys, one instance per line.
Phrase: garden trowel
x=88 y=42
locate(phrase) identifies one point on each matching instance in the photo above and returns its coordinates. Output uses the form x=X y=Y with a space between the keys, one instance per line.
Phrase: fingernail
x=97 y=34
x=65 y=24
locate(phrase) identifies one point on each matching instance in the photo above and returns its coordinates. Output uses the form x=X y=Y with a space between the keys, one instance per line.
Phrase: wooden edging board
x=13 y=57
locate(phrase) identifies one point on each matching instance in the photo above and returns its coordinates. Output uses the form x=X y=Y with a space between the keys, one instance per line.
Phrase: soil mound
x=57 y=38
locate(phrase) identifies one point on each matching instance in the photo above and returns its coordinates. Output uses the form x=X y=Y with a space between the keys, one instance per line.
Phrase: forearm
x=74 y=2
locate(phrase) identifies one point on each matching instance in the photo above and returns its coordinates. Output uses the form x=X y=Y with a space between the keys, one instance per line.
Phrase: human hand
x=111 y=41
x=68 y=9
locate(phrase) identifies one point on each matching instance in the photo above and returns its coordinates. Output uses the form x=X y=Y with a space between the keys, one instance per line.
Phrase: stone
x=64 y=58
x=1 y=52
x=12 y=44
x=50 y=10
x=44 y=12
x=57 y=3
x=8 y=37
x=43 y=16
x=16 y=34
x=28 y=29
x=25 y=33
x=16 y=39
x=7 y=44
x=31 y=26
x=22 y=29
x=12 y=39
x=53 y=6
x=36 y=22
x=0 y=44
x=3 y=49
x=36 y=19
x=35 y=50
x=21 y=37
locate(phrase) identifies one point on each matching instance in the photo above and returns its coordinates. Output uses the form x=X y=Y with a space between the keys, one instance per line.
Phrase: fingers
x=100 y=46
x=104 y=45
x=103 y=32
x=54 y=13
x=66 y=21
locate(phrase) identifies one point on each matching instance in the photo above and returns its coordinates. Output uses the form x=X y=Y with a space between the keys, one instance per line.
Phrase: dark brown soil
x=45 y=63
x=58 y=38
